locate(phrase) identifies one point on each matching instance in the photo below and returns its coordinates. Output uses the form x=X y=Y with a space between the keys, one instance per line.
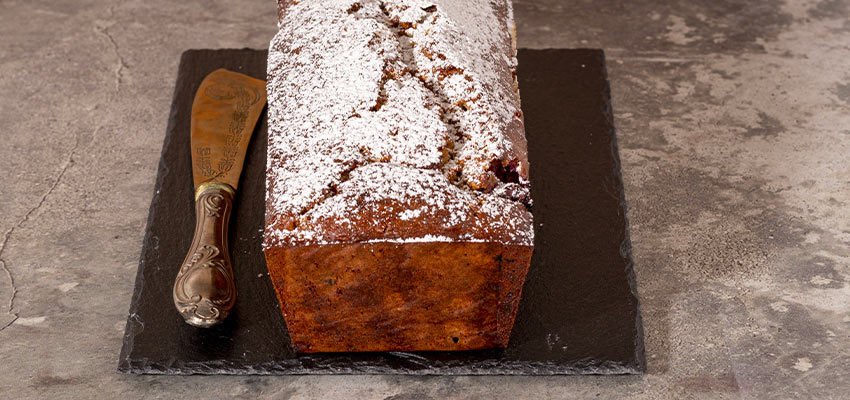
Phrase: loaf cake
x=397 y=208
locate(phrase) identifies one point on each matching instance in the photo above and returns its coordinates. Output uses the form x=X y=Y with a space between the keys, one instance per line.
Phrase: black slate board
x=579 y=311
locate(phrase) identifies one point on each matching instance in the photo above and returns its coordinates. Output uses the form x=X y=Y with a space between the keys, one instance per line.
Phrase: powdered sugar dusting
x=423 y=239
x=395 y=121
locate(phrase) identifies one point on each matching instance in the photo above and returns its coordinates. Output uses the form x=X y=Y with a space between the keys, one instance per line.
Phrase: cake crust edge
x=431 y=296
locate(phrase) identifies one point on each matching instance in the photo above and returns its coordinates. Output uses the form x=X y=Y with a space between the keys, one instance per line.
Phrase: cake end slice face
x=385 y=296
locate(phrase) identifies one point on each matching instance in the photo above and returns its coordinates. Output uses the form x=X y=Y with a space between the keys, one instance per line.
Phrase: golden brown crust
x=399 y=296
x=397 y=213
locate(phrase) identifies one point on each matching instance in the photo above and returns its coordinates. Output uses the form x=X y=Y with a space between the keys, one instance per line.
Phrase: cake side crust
x=389 y=296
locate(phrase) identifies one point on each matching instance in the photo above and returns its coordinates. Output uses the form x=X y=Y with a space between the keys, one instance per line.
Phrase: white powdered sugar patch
x=408 y=215
x=423 y=239
x=386 y=116
x=458 y=50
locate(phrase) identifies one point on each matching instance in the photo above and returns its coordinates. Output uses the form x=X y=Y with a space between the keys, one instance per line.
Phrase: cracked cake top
x=395 y=120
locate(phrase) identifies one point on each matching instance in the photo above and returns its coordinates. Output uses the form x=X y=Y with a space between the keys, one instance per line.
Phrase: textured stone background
x=735 y=136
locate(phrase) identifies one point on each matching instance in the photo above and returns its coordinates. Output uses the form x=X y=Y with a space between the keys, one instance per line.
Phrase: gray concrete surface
x=735 y=137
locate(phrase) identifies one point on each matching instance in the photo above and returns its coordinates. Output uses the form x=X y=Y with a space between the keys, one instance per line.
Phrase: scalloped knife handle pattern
x=226 y=108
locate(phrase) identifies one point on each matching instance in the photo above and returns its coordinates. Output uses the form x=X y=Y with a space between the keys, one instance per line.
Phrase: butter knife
x=224 y=112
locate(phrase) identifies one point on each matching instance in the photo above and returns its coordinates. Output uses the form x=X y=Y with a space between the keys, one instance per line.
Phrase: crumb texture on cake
x=395 y=120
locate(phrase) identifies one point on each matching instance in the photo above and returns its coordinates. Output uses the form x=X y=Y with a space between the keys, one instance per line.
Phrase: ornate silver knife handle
x=205 y=291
